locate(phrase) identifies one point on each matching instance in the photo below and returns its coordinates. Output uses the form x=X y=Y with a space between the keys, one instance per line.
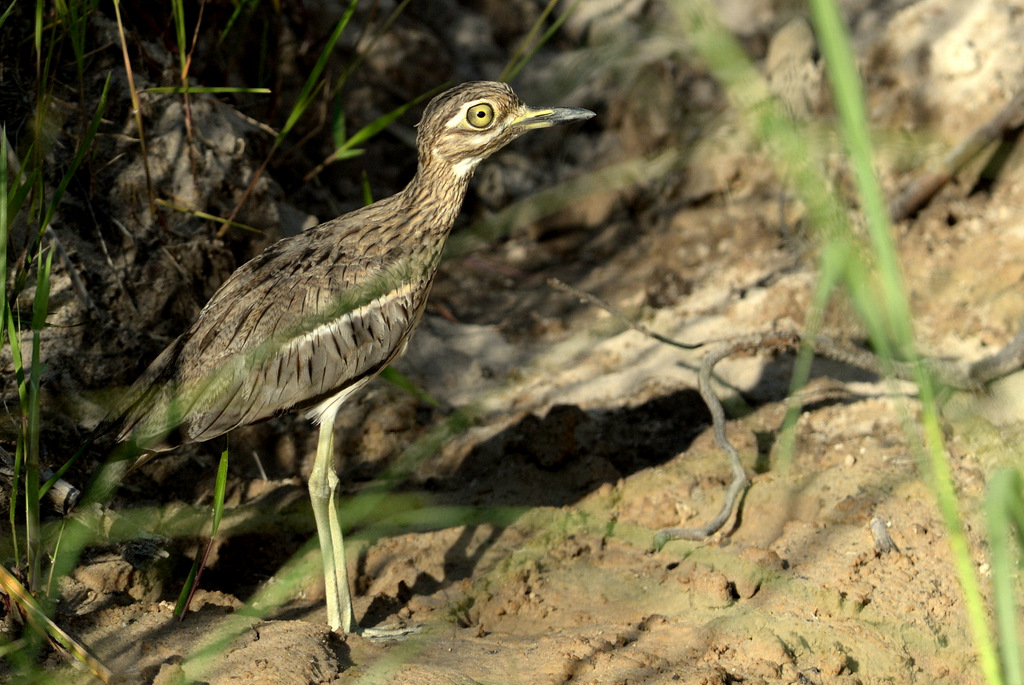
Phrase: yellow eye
x=480 y=116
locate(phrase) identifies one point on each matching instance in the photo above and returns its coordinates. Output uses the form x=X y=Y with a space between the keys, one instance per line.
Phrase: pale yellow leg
x=323 y=488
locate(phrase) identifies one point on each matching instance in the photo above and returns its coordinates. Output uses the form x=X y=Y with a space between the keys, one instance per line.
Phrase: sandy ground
x=521 y=544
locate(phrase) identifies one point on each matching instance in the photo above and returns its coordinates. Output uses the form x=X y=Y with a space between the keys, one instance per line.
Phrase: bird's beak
x=542 y=118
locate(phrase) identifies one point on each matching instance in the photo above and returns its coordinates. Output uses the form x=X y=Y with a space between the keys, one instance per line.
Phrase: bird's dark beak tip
x=565 y=115
x=556 y=116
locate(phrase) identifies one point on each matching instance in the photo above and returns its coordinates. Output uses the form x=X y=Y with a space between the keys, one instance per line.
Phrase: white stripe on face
x=459 y=117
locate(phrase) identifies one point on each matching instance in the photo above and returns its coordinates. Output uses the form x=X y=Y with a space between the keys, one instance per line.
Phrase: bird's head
x=467 y=123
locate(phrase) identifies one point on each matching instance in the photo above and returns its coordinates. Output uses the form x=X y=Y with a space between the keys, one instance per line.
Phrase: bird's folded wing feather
x=278 y=336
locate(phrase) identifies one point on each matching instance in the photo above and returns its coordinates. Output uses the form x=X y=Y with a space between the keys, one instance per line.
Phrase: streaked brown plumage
x=317 y=315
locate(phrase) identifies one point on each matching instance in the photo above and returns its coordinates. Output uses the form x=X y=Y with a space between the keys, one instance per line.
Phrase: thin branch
x=971 y=377
x=590 y=298
x=76 y=279
x=924 y=187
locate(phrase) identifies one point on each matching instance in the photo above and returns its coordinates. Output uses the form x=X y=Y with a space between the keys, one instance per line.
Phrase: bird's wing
x=295 y=326
x=147 y=411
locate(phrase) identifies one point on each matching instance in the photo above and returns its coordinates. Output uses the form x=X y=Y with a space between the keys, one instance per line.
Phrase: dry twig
x=969 y=377
x=924 y=187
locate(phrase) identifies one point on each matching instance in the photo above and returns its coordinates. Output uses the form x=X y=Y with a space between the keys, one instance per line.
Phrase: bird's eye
x=480 y=116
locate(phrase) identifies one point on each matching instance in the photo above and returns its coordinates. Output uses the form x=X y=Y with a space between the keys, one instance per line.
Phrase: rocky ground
x=520 y=541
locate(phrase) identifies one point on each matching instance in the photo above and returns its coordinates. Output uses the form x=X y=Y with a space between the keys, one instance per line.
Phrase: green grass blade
x=526 y=52
x=39 y=307
x=346 y=147
x=378 y=124
x=42 y=298
x=59 y=473
x=384 y=28
x=3 y=227
x=339 y=129
x=850 y=103
x=874 y=281
x=192 y=581
x=219 y=492
x=209 y=217
x=519 y=59
x=889 y=320
x=42 y=625
x=1003 y=505
x=19 y=453
x=84 y=147
x=22 y=186
x=37 y=38
x=239 y=8
x=178 y=13
x=18 y=362
x=188 y=90
x=19 y=459
x=6 y=318
x=187 y=587
x=50 y=587
x=397 y=378
x=364 y=182
x=74 y=19
x=313 y=82
x=7 y=12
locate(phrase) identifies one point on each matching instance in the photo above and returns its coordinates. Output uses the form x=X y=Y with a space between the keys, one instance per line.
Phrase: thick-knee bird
x=317 y=315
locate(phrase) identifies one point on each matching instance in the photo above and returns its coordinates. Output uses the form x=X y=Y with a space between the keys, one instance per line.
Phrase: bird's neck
x=438 y=189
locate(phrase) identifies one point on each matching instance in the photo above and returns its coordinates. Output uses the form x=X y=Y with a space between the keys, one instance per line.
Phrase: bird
x=317 y=315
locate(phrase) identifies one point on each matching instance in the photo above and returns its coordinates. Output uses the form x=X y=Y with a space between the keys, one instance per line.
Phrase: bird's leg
x=323 y=487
